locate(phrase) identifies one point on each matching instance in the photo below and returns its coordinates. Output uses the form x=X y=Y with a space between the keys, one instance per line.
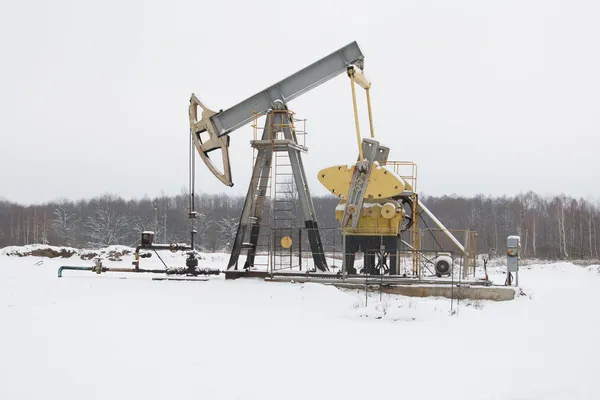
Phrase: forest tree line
x=559 y=227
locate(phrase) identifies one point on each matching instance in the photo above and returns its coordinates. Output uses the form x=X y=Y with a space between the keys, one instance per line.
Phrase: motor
x=443 y=264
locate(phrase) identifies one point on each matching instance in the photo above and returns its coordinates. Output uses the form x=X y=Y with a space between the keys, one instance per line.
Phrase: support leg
x=350 y=249
x=308 y=210
x=253 y=206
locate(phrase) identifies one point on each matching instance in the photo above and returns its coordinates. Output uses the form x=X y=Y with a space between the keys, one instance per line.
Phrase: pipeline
x=170 y=247
x=99 y=270
x=191 y=263
x=60 y=270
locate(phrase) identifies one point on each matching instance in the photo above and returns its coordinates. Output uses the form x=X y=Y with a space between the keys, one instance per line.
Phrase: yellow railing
x=407 y=170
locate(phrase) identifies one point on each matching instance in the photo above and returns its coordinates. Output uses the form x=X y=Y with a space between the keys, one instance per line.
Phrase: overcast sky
x=491 y=97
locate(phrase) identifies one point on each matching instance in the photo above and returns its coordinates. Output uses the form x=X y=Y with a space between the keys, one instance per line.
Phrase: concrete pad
x=495 y=293
x=463 y=291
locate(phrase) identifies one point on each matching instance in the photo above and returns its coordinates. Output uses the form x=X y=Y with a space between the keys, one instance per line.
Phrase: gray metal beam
x=360 y=180
x=289 y=88
x=442 y=227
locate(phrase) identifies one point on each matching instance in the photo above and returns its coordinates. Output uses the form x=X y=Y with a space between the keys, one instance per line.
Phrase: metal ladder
x=283 y=217
x=260 y=220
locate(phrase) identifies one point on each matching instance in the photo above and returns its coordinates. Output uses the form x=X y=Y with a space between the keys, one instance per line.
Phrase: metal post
x=300 y=248
x=415 y=237
x=343 y=255
x=466 y=255
x=513 y=244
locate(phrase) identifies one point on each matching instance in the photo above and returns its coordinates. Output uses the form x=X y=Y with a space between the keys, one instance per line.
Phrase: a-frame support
x=279 y=120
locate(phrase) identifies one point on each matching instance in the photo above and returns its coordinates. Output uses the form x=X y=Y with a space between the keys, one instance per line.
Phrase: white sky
x=492 y=97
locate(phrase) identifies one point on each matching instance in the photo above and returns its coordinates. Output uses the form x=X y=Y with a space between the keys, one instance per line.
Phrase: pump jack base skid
x=235 y=274
x=321 y=277
x=181 y=278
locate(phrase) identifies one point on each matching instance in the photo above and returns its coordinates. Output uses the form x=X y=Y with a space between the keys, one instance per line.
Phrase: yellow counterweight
x=380 y=215
x=383 y=183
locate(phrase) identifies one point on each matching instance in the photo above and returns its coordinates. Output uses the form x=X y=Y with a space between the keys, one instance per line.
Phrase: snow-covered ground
x=118 y=336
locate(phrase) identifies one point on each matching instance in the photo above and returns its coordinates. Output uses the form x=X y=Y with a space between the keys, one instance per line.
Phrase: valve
x=97 y=268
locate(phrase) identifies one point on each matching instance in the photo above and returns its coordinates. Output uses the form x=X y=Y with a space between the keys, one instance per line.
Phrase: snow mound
x=112 y=253
x=39 y=250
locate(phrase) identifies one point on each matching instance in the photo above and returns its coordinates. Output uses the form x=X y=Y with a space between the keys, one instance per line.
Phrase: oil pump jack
x=373 y=199
x=278 y=135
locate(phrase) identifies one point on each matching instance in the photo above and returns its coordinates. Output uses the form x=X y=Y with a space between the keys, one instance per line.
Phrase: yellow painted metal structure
x=377 y=218
x=383 y=183
x=357 y=77
x=286 y=242
x=380 y=214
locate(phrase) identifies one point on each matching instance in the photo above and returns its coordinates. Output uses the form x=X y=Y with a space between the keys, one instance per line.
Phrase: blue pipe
x=60 y=270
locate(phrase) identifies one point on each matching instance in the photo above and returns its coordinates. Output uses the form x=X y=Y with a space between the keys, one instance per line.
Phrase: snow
x=72 y=252
x=26 y=250
x=124 y=336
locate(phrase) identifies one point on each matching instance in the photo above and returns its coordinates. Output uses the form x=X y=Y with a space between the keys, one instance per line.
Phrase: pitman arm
x=220 y=124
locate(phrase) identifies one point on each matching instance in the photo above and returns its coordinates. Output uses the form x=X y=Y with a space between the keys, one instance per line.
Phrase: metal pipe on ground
x=60 y=270
x=105 y=269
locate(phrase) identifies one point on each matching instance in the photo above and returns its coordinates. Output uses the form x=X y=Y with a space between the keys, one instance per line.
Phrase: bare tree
x=203 y=226
x=226 y=229
x=45 y=230
x=106 y=227
x=286 y=206
x=139 y=224
x=560 y=219
x=64 y=222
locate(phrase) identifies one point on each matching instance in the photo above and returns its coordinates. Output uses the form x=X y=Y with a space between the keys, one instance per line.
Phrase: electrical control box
x=147 y=238
x=513 y=245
